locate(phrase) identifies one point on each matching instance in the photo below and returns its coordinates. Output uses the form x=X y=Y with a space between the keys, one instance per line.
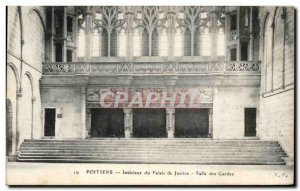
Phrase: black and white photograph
x=150 y=95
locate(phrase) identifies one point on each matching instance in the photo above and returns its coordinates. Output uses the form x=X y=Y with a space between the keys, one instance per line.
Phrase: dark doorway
x=9 y=121
x=191 y=123
x=107 y=123
x=58 y=52
x=244 y=51
x=233 y=22
x=69 y=55
x=250 y=122
x=233 y=54
x=49 y=126
x=149 y=123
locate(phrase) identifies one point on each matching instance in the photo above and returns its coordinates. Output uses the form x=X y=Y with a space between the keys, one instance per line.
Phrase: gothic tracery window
x=192 y=31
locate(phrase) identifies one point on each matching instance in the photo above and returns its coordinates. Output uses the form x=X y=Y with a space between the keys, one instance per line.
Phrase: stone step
x=191 y=151
x=152 y=151
x=160 y=157
x=164 y=140
x=159 y=152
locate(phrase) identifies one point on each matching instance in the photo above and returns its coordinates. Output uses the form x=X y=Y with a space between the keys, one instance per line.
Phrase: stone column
x=88 y=122
x=128 y=122
x=52 y=36
x=210 y=122
x=227 y=36
x=33 y=99
x=214 y=34
x=64 y=42
x=88 y=31
x=238 y=41
x=251 y=36
x=17 y=141
x=170 y=122
x=171 y=23
x=83 y=112
x=129 y=34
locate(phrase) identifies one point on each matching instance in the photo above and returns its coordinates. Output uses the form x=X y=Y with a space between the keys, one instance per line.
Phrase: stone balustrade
x=176 y=68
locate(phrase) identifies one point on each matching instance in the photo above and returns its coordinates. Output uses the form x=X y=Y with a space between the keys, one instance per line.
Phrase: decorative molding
x=150 y=68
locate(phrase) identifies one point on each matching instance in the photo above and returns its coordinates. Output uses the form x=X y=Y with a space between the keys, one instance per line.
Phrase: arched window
x=204 y=42
x=122 y=42
x=268 y=53
x=178 y=42
x=278 y=49
x=137 y=42
x=95 y=44
x=163 y=43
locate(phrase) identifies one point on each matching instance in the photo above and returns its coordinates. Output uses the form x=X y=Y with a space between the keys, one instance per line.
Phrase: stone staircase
x=163 y=150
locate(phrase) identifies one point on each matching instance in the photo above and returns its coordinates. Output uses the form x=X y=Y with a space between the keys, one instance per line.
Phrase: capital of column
x=170 y=110
x=19 y=93
x=127 y=110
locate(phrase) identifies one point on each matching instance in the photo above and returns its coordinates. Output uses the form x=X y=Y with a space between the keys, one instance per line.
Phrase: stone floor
x=22 y=173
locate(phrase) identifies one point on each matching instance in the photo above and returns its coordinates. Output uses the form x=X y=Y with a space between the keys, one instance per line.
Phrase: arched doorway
x=9 y=123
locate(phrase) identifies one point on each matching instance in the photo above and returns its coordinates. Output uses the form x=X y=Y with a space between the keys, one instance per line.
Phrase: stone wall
x=228 y=112
x=67 y=101
x=24 y=69
x=277 y=102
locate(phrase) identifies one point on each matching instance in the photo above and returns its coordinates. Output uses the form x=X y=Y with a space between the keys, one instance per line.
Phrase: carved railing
x=100 y=68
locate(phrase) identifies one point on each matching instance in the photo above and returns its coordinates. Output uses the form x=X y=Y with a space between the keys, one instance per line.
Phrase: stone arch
x=28 y=74
x=16 y=73
x=34 y=39
x=27 y=107
x=12 y=87
x=39 y=14
x=15 y=36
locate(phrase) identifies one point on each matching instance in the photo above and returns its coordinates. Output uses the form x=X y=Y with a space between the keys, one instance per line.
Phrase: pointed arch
x=38 y=12
x=16 y=73
x=29 y=75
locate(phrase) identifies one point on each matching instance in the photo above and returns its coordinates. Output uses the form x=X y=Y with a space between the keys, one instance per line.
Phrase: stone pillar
x=238 y=41
x=128 y=122
x=64 y=42
x=88 y=31
x=171 y=30
x=170 y=122
x=227 y=36
x=129 y=34
x=214 y=34
x=17 y=141
x=83 y=112
x=52 y=36
x=251 y=37
x=210 y=122
x=88 y=122
x=33 y=99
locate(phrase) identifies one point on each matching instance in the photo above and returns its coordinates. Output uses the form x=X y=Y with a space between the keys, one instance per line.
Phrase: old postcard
x=150 y=95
